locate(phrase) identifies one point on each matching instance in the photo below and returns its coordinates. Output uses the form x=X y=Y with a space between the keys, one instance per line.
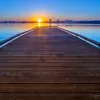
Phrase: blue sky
x=56 y=9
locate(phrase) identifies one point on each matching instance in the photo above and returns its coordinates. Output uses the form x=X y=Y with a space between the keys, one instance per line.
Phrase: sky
x=46 y=9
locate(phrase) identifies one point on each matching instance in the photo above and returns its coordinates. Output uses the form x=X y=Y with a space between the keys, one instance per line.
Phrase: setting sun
x=39 y=20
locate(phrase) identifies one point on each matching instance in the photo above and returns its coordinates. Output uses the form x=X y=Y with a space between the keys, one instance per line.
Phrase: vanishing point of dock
x=47 y=63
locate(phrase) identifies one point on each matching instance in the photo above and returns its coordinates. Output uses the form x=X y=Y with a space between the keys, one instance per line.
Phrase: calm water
x=91 y=31
x=8 y=30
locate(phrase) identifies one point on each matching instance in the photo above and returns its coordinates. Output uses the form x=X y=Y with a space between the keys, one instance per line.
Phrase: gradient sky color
x=55 y=9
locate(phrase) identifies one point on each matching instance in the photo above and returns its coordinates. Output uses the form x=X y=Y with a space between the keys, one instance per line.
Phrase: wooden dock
x=49 y=64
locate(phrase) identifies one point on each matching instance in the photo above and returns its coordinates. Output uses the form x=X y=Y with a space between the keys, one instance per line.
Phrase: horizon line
x=45 y=21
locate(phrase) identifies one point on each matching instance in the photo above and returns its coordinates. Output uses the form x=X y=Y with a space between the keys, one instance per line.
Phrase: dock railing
x=8 y=40
x=88 y=40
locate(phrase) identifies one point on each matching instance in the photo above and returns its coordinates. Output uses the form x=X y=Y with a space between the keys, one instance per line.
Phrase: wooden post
x=50 y=22
x=57 y=22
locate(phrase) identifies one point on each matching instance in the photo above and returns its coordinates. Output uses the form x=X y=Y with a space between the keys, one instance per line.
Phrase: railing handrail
x=10 y=38
x=81 y=36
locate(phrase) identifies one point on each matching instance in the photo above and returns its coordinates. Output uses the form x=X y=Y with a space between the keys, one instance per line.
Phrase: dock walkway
x=49 y=64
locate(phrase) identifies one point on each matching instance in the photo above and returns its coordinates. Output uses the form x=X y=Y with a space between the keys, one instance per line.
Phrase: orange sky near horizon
x=39 y=15
x=34 y=16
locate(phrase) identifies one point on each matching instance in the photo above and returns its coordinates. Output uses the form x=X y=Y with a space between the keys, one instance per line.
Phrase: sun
x=39 y=20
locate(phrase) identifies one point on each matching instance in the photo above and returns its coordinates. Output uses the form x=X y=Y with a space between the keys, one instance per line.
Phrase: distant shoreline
x=54 y=22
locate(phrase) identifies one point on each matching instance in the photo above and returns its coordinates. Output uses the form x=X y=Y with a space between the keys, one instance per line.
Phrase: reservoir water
x=90 y=31
x=8 y=30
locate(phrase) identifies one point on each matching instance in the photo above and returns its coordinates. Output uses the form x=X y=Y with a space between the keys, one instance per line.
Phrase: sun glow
x=39 y=24
x=39 y=20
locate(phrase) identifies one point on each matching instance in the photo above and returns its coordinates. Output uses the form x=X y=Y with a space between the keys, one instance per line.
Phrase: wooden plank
x=48 y=63
x=49 y=96
x=32 y=73
x=81 y=36
x=50 y=88
x=49 y=41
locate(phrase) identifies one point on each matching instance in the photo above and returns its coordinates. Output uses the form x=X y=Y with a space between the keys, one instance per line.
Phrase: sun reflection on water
x=39 y=24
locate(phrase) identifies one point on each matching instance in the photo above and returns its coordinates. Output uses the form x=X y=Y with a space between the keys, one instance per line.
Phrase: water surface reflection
x=90 y=31
x=8 y=30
